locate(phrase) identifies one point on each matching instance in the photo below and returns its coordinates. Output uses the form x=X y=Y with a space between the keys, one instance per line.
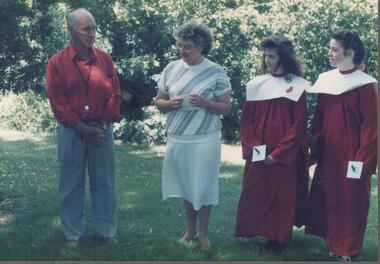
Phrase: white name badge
x=259 y=153
x=354 y=169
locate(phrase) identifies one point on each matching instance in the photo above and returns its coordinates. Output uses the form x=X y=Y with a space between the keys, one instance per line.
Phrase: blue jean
x=74 y=156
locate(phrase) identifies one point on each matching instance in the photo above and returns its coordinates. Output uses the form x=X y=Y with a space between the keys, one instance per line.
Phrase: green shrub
x=149 y=130
x=138 y=34
x=26 y=111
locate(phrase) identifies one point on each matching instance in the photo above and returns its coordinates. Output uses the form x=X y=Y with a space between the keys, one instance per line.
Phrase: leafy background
x=138 y=34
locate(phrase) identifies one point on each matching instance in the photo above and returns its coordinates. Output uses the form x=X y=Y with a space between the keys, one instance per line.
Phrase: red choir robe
x=338 y=206
x=267 y=205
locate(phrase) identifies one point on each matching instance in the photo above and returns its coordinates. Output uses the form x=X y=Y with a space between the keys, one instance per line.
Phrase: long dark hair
x=285 y=52
x=351 y=40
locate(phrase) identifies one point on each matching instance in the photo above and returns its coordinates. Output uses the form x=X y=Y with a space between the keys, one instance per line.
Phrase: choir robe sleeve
x=247 y=130
x=367 y=152
x=288 y=149
x=317 y=121
x=316 y=129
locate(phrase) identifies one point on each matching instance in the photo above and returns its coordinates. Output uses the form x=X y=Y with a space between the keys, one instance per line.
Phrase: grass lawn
x=148 y=226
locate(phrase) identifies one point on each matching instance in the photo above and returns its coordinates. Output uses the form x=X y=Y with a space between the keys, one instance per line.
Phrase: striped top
x=207 y=79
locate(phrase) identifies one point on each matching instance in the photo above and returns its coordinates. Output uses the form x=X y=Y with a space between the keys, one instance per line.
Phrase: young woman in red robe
x=344 y=147
x=273 y=135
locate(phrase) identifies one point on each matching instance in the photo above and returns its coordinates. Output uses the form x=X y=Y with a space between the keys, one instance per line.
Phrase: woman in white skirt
x=195 y=92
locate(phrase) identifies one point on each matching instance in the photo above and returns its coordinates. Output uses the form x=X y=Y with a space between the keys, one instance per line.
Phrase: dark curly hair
x=285 y=52
x=350 y=40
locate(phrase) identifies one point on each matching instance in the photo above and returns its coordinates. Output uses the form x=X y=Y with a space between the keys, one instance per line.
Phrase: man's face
x=85 y=32
x=271 y=59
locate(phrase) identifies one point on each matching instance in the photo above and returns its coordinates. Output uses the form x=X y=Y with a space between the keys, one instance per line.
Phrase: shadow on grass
x=149 y=227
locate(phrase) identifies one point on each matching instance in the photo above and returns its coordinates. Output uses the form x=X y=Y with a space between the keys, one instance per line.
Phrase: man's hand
x=92 y=135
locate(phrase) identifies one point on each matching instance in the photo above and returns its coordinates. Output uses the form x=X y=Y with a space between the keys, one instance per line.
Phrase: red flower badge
x=290 y=89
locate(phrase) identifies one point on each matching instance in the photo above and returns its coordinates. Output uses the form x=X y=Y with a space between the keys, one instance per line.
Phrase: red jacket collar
x=73 y=53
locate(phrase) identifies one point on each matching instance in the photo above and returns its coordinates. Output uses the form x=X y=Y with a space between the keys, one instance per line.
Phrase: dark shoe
x=275 y=246
x=280 y=248
x=252 y=245
x=109 y=241
x=271 y=245
x=106 y=241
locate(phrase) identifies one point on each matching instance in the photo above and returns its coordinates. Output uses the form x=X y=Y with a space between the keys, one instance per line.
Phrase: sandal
x=187 y=241
x=345 y=259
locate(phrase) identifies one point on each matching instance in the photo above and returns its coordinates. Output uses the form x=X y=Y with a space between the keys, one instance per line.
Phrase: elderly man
x=84 y=92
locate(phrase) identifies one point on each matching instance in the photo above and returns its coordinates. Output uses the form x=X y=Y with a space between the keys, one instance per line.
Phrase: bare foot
x=204 y=242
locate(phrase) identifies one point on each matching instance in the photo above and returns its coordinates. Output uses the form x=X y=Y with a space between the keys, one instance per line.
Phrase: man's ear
x=70 y=29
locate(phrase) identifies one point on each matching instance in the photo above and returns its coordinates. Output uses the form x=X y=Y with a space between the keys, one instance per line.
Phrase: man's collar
x=73 y=53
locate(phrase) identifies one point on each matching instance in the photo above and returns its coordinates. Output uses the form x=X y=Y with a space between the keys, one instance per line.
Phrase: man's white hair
x=71 y=18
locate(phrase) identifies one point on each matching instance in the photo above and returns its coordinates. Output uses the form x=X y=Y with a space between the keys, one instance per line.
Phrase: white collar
x=265 y=87
x=206 y=63
x=334 y=82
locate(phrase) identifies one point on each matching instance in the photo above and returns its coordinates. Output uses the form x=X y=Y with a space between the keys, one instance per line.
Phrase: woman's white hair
x=71 y=18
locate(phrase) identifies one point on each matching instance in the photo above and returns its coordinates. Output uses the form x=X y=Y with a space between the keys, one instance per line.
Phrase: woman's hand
x=199 y=101
x=176 y=102
x=163 y=102
x=315 y=149
x=269 y=160
x=221 y=106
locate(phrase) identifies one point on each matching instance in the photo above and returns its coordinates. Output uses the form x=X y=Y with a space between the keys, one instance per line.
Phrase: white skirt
x=191 y=168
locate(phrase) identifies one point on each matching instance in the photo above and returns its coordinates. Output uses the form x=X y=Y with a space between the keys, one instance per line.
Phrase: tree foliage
x=138 y=34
